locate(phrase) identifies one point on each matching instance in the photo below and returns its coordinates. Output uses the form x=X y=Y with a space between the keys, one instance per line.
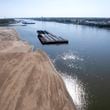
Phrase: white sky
x=54 y=8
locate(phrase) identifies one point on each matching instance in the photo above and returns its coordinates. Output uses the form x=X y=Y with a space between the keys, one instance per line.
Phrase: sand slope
x=8 y=34
x=9 y=42
x=28 y=81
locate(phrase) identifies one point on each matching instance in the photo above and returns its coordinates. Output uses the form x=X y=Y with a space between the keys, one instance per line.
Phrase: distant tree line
x=7 y=21
x=98 y=22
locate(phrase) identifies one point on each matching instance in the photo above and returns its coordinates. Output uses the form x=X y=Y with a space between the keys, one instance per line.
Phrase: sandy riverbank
x=9 y=41
x=28 y=80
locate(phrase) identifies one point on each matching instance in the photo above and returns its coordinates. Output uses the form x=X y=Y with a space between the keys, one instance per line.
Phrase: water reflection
x=71 y=56
x=76 y=90
x=69 y=59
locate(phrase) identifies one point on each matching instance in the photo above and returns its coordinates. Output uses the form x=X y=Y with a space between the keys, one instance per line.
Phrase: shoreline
x=103 y=23
x=29 y=80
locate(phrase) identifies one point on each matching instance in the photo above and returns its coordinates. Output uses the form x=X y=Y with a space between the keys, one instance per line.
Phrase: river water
x=84 y=63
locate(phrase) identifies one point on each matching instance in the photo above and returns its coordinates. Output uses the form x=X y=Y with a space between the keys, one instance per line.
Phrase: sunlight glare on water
x=74 y=86
x=76 y=91
x=71 y=56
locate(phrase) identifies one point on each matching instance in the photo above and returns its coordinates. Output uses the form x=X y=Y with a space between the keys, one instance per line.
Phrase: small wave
x=70 y=60
x=76 y=91
x=71 y=56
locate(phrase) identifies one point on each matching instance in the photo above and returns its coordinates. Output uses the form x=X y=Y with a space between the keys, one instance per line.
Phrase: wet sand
x=28 y=80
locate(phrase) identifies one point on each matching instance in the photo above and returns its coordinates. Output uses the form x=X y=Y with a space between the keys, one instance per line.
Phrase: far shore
x=86 y=21
x=93 y=22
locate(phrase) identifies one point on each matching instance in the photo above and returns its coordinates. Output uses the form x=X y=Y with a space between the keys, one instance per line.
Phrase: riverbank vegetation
x=7 y=21
x=97 y=22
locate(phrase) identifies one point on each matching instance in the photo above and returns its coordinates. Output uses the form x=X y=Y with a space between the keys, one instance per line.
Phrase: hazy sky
x=54 y=8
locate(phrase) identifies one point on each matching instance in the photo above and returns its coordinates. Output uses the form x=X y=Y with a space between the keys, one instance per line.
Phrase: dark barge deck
x=48 y=38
